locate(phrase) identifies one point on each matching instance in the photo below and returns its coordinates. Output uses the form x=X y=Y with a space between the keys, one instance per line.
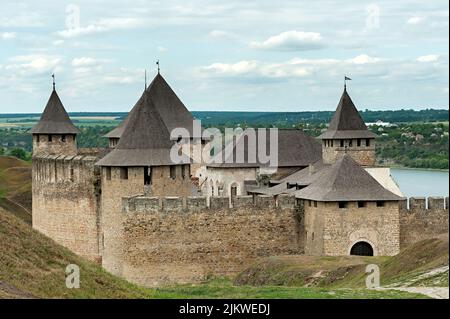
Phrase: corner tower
x=55 y=133
x=348 y=134
x=141 y=163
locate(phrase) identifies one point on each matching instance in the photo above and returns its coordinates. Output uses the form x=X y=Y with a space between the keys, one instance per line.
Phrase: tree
x=19 y=153
x=2 y=151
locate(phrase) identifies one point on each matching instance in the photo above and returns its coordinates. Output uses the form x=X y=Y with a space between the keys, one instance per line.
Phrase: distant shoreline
x=420 y=169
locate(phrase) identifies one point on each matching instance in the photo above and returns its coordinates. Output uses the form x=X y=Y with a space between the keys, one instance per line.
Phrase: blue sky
x=225 y=55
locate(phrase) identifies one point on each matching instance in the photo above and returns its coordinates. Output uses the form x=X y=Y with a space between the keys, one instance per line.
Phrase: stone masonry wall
x=363 y=155
x=116 y=187
x=66 y=202
x=344 y=227
x=42 y=145
x=419 y=222
x=167 y=240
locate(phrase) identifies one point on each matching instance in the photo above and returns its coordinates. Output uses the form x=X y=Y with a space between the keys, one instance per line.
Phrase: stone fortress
x=152 y=221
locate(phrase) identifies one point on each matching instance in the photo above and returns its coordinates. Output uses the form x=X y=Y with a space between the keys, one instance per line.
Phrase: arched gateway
x=362 y=249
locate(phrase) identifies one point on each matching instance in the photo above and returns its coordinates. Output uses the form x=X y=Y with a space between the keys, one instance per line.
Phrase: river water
x=415 y=182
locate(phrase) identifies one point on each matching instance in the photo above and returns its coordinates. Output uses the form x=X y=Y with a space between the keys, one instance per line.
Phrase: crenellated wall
x=66 y=202
x=425 y=218
x=172 y=239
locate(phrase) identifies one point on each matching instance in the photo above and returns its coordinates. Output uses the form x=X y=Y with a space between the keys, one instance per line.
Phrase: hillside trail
x=432 y=292
x=19 y=205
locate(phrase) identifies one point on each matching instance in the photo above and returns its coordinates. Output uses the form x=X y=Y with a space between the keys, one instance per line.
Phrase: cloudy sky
x=225 y=55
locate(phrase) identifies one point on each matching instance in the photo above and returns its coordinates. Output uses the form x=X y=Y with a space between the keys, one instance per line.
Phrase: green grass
x=34 y=265
x=439 y=280
x=224 y=288
x=349 y=271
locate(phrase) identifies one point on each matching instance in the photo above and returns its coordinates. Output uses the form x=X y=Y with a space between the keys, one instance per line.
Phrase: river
x=415 y=182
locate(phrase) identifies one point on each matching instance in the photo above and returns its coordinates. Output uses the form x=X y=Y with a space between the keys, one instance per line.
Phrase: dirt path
x=10 y=291
x=433 y=292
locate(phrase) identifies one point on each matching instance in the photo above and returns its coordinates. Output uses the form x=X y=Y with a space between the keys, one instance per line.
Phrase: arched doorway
x=362 y=249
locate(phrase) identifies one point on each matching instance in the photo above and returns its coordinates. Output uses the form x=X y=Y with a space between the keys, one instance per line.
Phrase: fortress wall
x=168 y=240
x=42 y=145
x=419 y=222
x=378 y=226
x=112 y=191
x=66 y=201
x=364 y=155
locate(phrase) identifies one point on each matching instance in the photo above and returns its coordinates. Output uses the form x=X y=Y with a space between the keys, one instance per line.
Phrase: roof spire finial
x=53 y=77
x=346 y=78
x=145 y=76
x=157 y=63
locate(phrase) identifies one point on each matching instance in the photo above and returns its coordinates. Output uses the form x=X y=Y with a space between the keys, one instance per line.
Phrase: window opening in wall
x=315 y=204
x=50 y=138
x=173 y=172
x=183 y=171
x=108 y=173
x=38 y=138
x=71 y=175
x=124 y=173
x=343 y=204
x=362 y=204
x=367 y=142
x=380 y=204
x=350 y=143
x=342 y=143
x=63 y=138
x=147 y=175
x=358 y=142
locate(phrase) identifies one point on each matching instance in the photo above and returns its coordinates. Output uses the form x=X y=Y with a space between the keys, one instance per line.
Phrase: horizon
x=238 y=111
x=259 y=55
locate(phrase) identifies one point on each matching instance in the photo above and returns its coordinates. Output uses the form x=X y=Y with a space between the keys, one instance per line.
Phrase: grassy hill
x=15 y=187
x=349 y=271
x=33 y=266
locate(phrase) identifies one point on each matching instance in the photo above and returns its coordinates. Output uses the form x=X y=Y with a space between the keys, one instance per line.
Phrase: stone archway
x=362 y=248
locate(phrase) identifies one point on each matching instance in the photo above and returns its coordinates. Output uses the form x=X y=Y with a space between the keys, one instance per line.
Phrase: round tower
x=54 y=133
x=348 y=134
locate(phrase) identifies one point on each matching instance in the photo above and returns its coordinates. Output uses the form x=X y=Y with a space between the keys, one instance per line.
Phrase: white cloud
x=415 y=20
x=428 y=58
x=7 y=35
x=34 y=63
x=361 y=66
x=364 y=59
x=291 y=41
x=84 y=61
x=220 y=34
x=102 y=25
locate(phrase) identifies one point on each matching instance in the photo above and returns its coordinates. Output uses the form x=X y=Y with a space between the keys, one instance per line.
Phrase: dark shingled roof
x=345 y=180
x=172 y=111
x=346 y=122
x=295 y=148
x=145 y=140
x=54 y=119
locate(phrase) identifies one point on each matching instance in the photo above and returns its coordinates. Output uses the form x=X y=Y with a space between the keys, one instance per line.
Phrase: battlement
x=196 y=204
x=424 y=204
x=199 y=203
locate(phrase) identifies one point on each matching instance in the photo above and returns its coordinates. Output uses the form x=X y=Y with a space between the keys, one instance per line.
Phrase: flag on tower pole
x=346 y=78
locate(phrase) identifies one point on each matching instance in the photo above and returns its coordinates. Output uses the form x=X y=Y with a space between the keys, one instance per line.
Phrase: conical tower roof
x=54 y=119
x=145 y=140
x=346 y=121
x=172 y=111
x=345 y=180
